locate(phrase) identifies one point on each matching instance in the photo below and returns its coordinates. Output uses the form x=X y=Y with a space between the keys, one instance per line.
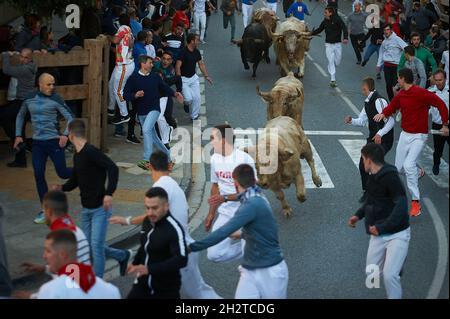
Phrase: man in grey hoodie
x=25 y=73
x=264 y=272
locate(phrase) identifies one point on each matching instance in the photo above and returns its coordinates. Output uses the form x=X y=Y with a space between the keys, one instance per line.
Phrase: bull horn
x=299 y=93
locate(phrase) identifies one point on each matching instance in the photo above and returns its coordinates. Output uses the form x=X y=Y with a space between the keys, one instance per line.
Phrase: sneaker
x=415 y=209
x=436 y=169
x=196 y=118
x=363 y=198
x=378 y=76
x=364 y=63
x=17 y=164
x=133 y=140
x=111 y=113
x=333 y=84
x=143 y=164
x=358 y=62
x=124 y=263
x=40 y=218
x=186 y=107
x=120 y=120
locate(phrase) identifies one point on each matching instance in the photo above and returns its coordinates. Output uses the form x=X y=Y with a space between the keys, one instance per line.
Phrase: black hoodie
x=386 y=206
x=334 y=27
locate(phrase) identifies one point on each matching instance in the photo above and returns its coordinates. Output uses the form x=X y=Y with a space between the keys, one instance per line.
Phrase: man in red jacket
x=181 y=16
x=414 y=103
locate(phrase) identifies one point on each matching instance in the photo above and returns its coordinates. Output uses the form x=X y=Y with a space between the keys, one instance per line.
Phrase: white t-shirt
x=443 y=95
x=150 y=50
x=63 y=287
x=199 y=6
x=178 y=204
x=221 y=173
x=444 y=61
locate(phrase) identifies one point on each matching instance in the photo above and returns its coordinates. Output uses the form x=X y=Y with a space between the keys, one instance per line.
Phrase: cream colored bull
x=281 y=167
x=285 y=99
x=291 y=42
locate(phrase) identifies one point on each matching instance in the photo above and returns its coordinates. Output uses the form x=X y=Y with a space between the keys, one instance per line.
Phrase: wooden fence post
x=94 y=78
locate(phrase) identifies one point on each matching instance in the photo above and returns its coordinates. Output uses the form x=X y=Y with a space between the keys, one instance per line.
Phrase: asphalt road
x=326 y=258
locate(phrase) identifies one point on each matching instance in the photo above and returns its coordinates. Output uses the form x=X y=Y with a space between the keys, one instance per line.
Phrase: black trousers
x=354 y=38
x=387 y=145
x=439 y=143
x=8 y=115
x=390 y=76
x=168 y=113
x=140 y=290
x=132 y=121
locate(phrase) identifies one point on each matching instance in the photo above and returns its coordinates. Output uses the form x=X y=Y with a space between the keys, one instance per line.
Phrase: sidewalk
x=18 y=197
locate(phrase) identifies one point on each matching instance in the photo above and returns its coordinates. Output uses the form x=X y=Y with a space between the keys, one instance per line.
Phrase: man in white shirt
x=440 y=88
x=192 y=284
x=75 y=280
x=223 y=197
x=200 y=17
x=380 y=133
x=444 y=64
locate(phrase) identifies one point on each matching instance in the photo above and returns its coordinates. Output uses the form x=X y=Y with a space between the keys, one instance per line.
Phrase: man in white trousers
x=192 y=284
x=414 y=102
x=272 y=5
x=386 y=220
x=185 y=66
x=124 y=68
x=223 y=197
x=264 y=273
x=247 y=11
x=334 y=27
x=200 y=17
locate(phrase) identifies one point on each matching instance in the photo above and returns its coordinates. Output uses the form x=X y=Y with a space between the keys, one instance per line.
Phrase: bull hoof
x=301 y=198
x=317 y=181
x=287 y=212
x=246 y=66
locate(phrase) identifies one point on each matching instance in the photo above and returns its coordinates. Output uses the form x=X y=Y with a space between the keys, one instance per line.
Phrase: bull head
x=266 y=96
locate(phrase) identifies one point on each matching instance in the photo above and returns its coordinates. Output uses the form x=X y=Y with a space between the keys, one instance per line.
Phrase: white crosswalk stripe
x=353 y=149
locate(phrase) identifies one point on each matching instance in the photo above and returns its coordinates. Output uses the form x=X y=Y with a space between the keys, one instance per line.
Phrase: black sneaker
x=133 y=140
x=121 y=119
x=186 y=107
x=363 y=197
x=123 y=265
x=111 y=113
x=363 y=63
x=358 y=62
x=17 y=164
x=167 y=146
x=436 y=169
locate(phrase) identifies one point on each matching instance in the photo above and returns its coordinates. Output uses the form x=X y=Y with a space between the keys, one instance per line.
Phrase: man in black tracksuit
x=334 y=27
x=379 y=132
x=386 y=220
x=162 y=252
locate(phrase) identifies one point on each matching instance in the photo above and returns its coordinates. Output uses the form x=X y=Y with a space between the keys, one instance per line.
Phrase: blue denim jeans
x=150 y=136
x=371 y=49
x=41 y=151
x=94 y=223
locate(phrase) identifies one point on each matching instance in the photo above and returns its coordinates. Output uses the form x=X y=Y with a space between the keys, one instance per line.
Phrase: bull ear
x=266 y=96
x=299 y=92
x=286 y=154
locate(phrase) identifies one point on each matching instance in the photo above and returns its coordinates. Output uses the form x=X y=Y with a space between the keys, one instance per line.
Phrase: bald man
x=25 y=74
x=48 y=141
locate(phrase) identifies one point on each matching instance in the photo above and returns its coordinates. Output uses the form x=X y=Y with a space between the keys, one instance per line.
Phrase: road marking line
x=441 y=267
x=309 y=57
x=348 y=102
x=426 y=161
x=320 y=69
x=251 y=132
x=353 y=149
x=241 y=143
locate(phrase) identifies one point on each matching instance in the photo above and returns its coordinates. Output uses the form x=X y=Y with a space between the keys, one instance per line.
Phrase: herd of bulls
x=284 y=104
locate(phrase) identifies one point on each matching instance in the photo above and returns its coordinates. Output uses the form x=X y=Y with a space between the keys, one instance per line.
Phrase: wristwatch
x=225 y=198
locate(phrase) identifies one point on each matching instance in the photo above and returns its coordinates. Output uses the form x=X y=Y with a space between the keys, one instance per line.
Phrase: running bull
x=291 y=42
x=278 y=167
x=286 y=98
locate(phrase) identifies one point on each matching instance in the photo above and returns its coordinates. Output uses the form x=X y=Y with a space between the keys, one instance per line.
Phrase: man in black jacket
x=162 y=252
x=334 y=27
x=386 y=220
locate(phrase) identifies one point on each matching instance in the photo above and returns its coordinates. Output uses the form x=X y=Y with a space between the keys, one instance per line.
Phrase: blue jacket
x=151 y=84
x=259 y=229
x=44 y=115
x=138 y=49
x=249 y=2
x=298 y=10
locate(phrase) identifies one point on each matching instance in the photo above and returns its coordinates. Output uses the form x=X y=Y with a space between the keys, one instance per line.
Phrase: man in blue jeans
x=90 y=169
x=143 y=88
x=44 y=106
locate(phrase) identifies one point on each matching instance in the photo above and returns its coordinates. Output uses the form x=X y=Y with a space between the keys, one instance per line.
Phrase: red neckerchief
x=82 y=274
x=64 y=222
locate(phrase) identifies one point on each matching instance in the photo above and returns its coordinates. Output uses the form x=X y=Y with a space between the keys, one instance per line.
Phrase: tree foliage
x=46 y=8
